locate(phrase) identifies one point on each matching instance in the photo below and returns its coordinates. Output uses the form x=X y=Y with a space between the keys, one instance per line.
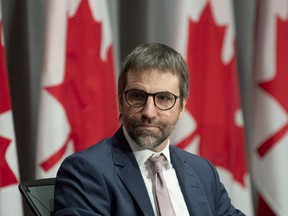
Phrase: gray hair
x=155 y=56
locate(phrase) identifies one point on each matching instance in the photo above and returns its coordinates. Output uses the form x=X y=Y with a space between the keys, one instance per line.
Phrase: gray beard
x=146 y=139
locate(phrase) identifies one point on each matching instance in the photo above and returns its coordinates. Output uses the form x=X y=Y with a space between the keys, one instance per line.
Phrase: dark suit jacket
x=105 y=180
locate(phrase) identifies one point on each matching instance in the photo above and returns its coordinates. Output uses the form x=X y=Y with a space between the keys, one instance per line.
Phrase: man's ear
x=120 y=108
x=182 y=108
x=120 y=101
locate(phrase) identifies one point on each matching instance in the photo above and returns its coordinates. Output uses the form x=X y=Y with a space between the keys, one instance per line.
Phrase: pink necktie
x=164 y=203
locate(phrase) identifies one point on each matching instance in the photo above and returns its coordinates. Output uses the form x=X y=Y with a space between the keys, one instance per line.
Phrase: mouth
x=148 y=127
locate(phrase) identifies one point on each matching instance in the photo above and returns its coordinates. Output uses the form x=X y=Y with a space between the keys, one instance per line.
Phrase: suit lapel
x=128 y=171
x=192 y=189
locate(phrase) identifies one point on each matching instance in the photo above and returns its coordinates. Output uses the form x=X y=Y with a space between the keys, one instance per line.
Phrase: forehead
x=153 y=81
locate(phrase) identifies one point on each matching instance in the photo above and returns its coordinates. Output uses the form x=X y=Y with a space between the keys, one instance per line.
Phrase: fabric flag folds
x=270 y=142
x=213 y=123
x=78 y=105
x=10 y=197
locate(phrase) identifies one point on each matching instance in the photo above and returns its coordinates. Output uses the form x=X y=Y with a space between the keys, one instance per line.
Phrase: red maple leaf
x=5 y=103
x=88 y=92
x=7 y=176
x=214 y=98
x=277 y=87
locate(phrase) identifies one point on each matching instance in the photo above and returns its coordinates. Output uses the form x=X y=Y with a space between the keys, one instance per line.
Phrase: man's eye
x=138 y=95
x=164 y=97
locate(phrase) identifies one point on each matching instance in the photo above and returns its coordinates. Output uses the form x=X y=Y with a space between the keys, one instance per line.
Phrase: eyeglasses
x=162 y=100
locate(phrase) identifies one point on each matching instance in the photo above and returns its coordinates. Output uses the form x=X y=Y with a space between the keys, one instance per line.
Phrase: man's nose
x=149 y=109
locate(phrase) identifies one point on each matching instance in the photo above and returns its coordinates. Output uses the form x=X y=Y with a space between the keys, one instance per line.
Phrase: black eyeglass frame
x=153 y=96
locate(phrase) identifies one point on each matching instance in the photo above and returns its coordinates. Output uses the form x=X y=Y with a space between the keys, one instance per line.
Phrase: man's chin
x=148 y=141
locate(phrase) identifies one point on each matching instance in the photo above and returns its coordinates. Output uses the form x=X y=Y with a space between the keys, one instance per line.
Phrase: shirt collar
x=142 y=154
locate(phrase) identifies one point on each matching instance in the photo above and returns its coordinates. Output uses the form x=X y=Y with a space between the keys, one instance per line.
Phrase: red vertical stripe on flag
x=269 y=155
x=10 y=200
x=7 y=176
x=4 y=87
x=263 y=208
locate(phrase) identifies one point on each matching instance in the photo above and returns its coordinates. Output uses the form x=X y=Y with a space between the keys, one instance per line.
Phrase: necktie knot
x=156 y=163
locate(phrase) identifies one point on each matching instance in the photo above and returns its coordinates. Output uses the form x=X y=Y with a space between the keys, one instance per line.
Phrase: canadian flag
x=78 y=104
x=270 y=142
x=10 y=198
x=212 y=125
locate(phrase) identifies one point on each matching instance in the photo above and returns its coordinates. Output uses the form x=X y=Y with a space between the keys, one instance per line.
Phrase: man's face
x=148 y=126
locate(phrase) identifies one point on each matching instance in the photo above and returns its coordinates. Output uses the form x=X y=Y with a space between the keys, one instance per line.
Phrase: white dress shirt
x=142 y=155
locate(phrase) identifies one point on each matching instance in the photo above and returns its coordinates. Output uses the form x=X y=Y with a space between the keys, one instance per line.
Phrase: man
x=114 y=177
